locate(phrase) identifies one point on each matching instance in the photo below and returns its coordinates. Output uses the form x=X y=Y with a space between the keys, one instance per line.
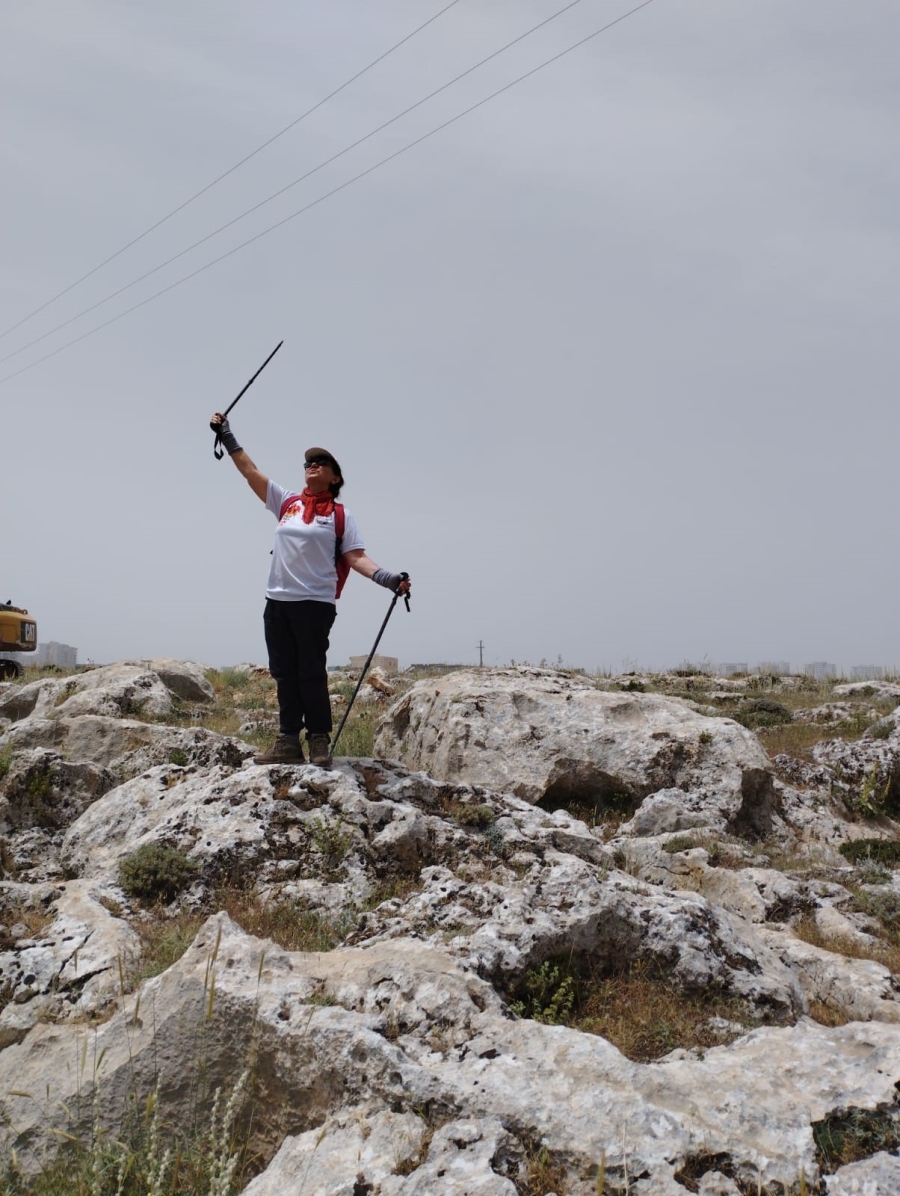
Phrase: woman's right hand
x=219 y=423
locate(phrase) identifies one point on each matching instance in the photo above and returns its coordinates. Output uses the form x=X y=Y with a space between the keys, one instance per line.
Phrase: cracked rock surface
x=408 y=1055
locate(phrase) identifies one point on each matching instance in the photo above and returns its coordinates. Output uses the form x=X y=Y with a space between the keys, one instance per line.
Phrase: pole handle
x=218 y=451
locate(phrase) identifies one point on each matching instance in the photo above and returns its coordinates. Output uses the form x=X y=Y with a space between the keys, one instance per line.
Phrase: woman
x=300 y=597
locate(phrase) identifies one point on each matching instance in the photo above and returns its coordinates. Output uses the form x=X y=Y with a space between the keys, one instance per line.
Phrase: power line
x=230 y=170
x=287 y=187
x=334 y=191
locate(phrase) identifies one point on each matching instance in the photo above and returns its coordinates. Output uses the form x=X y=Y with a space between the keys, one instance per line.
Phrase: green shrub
x=883 y=906
x=179 y=757
x=480 y=816
x=881 y=851
x=874 y=797
x=762 y=712
x=6 y=755
x=549 y=995
x=156 y=873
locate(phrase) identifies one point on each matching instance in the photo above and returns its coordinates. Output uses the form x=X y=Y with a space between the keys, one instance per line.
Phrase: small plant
x=679 y=843
x=883 y=906
x=854 y=1134
x=873 y=798
x=550 y=996
x=39 y=784
x=880 y=851
x=869 y=872
x=178 y=756
x=6 y=755
x=331 y=839
x=156 y=873
x=762 y=712
x=705 y=737
x=480 y=816
x=545 y=1173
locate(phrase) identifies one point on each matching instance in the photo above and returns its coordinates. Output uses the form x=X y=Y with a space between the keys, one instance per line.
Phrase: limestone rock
x=876 y=1176
x=116 y=690
x=355 y=1146
x=126 y=746
x=183 y=678
x=225 y=819
x=541 y=734
x=42 y=789
x=74 y=966
x=859 y=988
x=752 y=1102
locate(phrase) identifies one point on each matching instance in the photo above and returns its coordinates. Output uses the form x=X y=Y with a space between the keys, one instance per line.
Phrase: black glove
x=225 y=435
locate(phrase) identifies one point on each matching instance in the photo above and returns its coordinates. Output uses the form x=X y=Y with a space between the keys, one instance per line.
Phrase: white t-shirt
x=303 y=567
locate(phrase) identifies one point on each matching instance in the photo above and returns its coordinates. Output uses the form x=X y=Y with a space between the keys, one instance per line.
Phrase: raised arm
x=258 y=482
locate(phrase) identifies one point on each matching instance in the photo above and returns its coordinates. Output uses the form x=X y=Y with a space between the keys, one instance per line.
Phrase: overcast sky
x=610 y=364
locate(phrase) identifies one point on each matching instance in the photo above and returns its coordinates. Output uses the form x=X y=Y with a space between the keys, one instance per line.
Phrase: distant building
x=821 y=670
x=387 y=664
x=64 y=656
x=729 y=670
x=778 y=668
x=866 y=672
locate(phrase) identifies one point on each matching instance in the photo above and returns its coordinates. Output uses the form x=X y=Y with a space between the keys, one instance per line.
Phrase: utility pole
x=480 y=654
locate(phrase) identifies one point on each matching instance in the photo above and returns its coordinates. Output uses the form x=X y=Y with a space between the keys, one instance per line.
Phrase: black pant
x=297 y=640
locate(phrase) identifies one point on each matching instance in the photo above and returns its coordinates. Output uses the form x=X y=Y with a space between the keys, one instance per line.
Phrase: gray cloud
x=610 y=364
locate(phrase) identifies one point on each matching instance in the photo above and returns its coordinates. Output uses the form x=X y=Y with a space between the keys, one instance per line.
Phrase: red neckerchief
x=316 y=504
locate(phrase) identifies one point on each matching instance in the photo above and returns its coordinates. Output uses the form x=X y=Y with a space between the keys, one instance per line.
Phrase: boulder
x=126 y=746
x=552 y=737
x=116 y=690
x=183 y=678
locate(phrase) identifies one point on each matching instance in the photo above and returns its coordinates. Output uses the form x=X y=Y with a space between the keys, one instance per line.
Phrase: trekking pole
x=218 y=451
x=369 y=661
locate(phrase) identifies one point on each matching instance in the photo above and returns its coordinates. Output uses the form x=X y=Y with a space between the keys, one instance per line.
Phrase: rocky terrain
x=551 y=934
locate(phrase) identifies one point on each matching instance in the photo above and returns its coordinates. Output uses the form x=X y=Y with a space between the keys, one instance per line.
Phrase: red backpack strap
x=342 y=565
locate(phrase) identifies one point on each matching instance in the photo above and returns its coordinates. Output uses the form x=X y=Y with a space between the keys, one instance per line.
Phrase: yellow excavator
x=18 y=633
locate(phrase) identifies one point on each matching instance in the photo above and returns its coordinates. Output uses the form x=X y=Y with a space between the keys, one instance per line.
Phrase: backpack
x=342 y=566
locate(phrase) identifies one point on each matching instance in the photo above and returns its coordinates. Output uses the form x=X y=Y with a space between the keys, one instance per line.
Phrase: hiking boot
x=286 y=749
x=319 y=750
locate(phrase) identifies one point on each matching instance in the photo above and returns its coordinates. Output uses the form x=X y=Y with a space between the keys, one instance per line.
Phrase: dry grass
x=34 y=917
x=163 y=942
x=286 y=923
x=637 y=1008
x=645 y=1016
x=544 y=1173
x=166 y=937
x=886 y=951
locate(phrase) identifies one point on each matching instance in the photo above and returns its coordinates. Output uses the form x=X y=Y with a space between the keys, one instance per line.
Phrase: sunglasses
x=316 y=461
